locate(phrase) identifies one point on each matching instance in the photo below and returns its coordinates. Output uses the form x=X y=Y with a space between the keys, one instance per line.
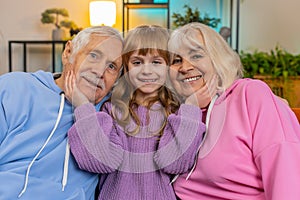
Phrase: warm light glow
x=102 y=13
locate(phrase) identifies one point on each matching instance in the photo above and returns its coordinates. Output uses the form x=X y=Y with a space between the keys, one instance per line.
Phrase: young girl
x=142 y=136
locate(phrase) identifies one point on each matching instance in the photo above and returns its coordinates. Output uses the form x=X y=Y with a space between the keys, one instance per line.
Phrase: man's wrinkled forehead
x=104 y=40
x=109 y=46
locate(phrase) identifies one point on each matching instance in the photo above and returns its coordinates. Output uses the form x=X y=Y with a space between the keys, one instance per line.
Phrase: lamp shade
x=102 y=13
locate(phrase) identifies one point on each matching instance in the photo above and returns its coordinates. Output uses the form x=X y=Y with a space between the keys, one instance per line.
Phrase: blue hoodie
x=30 y=103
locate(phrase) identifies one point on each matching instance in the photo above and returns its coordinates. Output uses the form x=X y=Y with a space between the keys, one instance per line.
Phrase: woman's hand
x=204 y=95
x=73 y=94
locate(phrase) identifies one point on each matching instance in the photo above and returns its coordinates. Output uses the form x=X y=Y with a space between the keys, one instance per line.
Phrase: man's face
x=97 y=66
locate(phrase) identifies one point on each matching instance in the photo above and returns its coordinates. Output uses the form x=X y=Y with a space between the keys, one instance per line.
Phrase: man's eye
x=112 y=66
x=93 y=55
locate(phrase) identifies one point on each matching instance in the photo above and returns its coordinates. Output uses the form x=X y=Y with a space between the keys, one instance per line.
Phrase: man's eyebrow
x=97 y=51
x=114 y=61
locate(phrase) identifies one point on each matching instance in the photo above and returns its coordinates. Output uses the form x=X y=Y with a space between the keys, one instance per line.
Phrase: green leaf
x=193 y=16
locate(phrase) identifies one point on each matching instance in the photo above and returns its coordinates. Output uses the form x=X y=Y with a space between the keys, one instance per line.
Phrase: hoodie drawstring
x=66 y=167
x=61 y=107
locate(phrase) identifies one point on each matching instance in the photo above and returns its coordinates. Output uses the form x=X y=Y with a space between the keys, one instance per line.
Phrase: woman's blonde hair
x=142 y=39
x=226 y=61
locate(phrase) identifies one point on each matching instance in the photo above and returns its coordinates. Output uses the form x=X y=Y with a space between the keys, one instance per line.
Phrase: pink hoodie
x=252 y=149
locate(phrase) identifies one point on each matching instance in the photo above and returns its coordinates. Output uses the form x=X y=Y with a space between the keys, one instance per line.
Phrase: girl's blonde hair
x=226 y=61
x=142 y=39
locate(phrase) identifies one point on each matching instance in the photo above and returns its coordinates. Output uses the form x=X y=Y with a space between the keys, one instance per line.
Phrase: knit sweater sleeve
x=94 y=141
x=182 y=136
x=276 y=142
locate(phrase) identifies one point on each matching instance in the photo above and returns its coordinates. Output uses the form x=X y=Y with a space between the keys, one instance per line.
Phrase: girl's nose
x=146 y=68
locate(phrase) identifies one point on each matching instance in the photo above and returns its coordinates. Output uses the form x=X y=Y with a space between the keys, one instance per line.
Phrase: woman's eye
x=197 y=56
x=176 y=61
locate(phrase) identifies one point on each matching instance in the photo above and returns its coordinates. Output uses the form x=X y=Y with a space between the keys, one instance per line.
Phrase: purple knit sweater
x=136 y=167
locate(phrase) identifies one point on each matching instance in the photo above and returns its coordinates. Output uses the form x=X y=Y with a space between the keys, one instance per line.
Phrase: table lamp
x=102 y=13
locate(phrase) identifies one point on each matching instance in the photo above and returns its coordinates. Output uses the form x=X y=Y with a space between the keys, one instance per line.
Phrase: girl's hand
x=73 y=94
x=204 y=95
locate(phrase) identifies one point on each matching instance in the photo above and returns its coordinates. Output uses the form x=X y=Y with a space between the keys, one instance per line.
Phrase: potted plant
x=52 y=16
x=278 y=68
x=193 y=16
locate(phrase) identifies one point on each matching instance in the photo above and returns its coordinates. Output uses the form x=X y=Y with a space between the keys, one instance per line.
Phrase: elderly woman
x=251 y=149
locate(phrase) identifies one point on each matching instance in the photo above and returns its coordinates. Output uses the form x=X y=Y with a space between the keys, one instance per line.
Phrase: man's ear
x=67 y=53
x=67 y=66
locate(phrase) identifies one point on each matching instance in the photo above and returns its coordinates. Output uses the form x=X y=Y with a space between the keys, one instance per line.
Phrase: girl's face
x=147 y=74
x=191 y=68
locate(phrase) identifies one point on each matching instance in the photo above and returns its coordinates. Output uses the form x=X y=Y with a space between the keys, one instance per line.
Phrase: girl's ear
x=67 y=53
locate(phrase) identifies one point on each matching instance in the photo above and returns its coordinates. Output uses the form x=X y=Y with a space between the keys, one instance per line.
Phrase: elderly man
x=35 y=162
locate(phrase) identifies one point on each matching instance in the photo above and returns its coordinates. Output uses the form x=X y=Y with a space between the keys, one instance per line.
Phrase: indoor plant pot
x=58 y=34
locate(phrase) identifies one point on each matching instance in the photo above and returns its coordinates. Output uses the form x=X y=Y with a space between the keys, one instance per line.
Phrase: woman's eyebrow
x=196 y=49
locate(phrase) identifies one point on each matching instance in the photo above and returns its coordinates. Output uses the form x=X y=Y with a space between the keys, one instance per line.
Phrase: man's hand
x=73 y=94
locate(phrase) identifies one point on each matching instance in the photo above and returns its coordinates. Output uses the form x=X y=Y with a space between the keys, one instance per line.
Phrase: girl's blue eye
x=157 y=62
x=136 y=62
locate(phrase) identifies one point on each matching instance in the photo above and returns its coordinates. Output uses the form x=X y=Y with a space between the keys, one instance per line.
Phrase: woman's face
x=191 y=68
